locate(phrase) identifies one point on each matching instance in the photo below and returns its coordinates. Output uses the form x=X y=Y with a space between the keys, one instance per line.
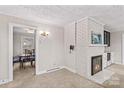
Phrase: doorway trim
x=10 y=54
x=122 y=48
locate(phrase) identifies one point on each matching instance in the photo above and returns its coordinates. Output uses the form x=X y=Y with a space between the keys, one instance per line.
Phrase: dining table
x=24 y=59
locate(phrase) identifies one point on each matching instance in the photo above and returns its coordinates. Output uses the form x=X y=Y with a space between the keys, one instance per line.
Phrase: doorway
x=23 y=47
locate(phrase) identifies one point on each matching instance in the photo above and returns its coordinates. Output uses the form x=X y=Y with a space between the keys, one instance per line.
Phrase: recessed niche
x=96 y=38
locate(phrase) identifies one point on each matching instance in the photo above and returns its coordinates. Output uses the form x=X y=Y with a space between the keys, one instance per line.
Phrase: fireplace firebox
x=96 y=64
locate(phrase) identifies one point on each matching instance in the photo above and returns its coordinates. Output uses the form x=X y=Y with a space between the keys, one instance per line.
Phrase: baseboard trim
x=119 y=63
x=72 y=70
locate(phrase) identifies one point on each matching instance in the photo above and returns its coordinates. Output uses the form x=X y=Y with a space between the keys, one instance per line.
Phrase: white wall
x=116 y=46
x=16 y=44
x=50 y=49
x=69 y=39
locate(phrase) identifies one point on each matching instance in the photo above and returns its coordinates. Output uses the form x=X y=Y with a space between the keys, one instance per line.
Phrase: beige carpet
x=117 y=80
x=58 y=79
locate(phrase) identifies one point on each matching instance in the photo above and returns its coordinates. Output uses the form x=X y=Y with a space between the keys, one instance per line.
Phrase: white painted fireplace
x=79 y=34
x=84 y=49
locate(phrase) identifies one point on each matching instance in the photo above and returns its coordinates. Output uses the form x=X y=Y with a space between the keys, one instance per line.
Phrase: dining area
x=27 y=57
x=23 y=48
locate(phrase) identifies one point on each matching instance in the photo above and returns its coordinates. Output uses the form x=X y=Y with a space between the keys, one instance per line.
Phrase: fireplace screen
x=96 y=64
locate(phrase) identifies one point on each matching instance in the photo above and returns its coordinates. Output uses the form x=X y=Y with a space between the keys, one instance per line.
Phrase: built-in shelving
x=107 y=38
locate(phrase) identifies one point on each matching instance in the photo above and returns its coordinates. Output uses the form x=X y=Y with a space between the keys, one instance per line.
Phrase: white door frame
x=122 y=47
x=10 y=56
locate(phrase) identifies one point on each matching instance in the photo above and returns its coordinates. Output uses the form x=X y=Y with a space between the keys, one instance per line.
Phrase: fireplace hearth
x=96 y=64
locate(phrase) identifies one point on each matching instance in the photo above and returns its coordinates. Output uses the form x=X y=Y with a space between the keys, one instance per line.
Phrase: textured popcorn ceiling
x=112 y=16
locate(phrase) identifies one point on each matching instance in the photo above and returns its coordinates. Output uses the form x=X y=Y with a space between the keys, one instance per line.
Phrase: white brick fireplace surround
x=79 y=34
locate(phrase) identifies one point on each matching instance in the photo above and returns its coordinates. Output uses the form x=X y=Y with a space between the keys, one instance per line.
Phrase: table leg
x=32 y=63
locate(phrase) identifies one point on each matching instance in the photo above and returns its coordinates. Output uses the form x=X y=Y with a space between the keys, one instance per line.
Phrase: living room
x=79 y=44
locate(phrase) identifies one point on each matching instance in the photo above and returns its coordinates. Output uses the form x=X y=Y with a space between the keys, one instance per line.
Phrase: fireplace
x=96 y=64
